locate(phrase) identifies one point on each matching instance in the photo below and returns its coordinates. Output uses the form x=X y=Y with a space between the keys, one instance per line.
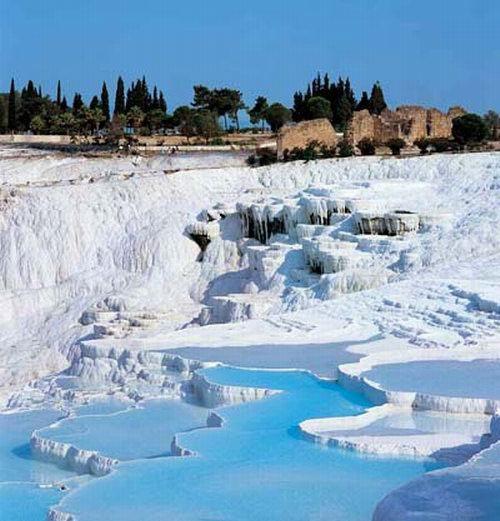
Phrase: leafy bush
x=262 y=157
x=442 y=144
x=366 y=147
x=422 y=144
x=308 y=153
x=396 y=144
x=328 y=152
x=345 y=149
x=251 y=160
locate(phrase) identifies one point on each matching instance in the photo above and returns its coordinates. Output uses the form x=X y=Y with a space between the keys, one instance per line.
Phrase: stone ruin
x=408 y=122
x=299 y=135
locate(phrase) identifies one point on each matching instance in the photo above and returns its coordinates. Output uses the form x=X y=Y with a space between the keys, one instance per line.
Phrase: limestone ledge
x=350 y=376
x=70 y=457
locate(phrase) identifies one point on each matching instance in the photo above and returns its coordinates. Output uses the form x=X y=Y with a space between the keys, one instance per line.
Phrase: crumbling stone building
x=299 y=135
x=408 y=122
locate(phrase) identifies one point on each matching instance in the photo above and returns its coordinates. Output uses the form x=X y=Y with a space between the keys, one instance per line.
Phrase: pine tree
x=377 y=101
x=105 y=102
x=119 y=97
x=364 y=102
x=12 y=107
x=58 y=98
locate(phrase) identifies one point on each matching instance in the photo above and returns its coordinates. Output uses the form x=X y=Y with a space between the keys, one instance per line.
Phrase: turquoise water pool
x=441 y=377
x=21 y=497
x=256 y=467
x=139 y=432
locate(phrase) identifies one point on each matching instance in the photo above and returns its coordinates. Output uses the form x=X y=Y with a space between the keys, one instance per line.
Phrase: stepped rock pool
x=257 y=466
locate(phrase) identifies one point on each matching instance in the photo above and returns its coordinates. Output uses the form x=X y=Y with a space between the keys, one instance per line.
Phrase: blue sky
x=435 y=53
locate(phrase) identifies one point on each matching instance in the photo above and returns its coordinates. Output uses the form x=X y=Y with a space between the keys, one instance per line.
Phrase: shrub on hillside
x=422 y=144
x=262 y=157
x=366 y=147
x=442 y=144
x=345 y=148
x=396 y=144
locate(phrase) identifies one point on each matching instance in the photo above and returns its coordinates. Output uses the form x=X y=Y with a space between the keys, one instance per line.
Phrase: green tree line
x=143 y=110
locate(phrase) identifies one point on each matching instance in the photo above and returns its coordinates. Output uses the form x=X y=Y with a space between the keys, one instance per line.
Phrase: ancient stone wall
x=414 y=122
x=301 y=134
x=408 y=122
x=362 y=126
x=438 y=124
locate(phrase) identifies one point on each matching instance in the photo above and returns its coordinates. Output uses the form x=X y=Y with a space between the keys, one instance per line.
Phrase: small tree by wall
x=469 y=129
x=278 y=115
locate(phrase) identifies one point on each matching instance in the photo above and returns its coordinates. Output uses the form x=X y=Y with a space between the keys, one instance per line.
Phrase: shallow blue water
x=141 y=432
x=256 y=467
x=26 y=501
x=21 y=497
x=427 y=377
x=16 y=463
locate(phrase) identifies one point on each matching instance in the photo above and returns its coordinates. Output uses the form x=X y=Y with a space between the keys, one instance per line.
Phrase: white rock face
x=469 y=491
x=70 y=457
x=105 y=273
x=351 y=376
x=57 y=515
x=67 y=244
x=397 y=431
x=213 y=395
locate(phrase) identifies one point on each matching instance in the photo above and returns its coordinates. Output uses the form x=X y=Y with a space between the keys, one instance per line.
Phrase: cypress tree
x=94 y=103
x=364 y=102
x=77 y=104
x=344 y=112
x=12 y=107
x=120 y=97
x=298 y=111
x=349 y=92
x=144 y=96
x=326 y=86
x=105 y=102
x=58 y=98
x=377 y=101
x=162 y=103
x=64 y=105
x=155 y=103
